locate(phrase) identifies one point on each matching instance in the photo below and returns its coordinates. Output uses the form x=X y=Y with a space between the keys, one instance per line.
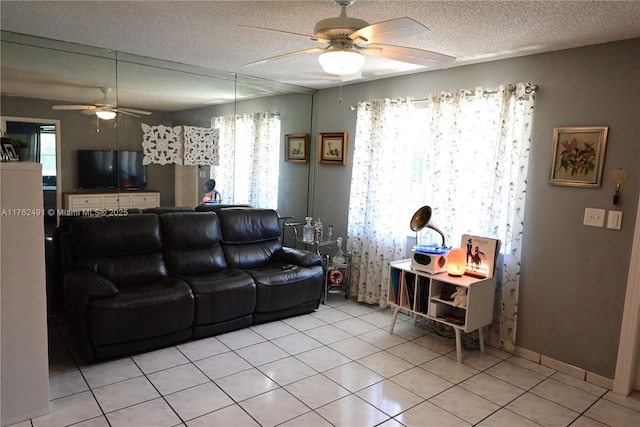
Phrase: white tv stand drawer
x=112 y=200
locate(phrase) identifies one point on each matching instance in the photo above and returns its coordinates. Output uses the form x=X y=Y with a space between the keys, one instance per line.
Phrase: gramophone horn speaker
x=420 y=219
x=209 y=185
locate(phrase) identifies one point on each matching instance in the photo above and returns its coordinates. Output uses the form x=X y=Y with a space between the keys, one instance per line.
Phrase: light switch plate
x=594 y=217
x=614 y=220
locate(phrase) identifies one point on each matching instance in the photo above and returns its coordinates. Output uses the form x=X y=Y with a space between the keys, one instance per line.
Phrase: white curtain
x=470 y=166
x=249 y=149
x=378 y=206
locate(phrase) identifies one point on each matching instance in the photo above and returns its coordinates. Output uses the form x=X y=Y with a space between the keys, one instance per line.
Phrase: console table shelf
x=115 y=199
x=420 y=294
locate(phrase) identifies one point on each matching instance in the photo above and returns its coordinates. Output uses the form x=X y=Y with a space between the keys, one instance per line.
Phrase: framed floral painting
x=578 y=156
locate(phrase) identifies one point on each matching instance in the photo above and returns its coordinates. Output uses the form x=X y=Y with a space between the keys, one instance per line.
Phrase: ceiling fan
x=103 y=109
x=348 y=38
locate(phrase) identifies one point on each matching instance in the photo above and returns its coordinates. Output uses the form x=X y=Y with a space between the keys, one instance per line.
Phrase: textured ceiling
x=207 y=33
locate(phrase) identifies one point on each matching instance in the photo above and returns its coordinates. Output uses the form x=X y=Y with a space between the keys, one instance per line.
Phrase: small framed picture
x=296 y=147
x=332 y=148
x=578 y=156
x=9 y=152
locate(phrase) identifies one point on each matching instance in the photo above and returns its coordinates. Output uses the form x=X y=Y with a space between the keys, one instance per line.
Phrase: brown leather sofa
x=144 y=281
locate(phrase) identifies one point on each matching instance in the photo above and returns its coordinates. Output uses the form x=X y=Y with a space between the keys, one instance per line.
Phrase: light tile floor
x=338 y=366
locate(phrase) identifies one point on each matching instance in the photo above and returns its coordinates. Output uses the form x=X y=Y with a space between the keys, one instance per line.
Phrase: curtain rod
x=528 y=90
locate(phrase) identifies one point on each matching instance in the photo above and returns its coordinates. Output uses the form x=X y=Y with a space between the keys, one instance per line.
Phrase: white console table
x=419 y=293
x=141 y=199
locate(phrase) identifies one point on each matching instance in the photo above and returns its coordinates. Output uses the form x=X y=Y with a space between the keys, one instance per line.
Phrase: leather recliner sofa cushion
x=148 y=310
x=119 y=291
x=285 y=277
x=192 y=252
x=250 y=236
x=99 y=246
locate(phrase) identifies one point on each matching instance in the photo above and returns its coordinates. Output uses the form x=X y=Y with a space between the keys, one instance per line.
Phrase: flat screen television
x=111 y=169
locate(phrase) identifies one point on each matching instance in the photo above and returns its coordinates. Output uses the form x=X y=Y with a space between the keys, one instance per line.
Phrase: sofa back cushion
x=127 y=250
x=192 y=243
x=250 y=237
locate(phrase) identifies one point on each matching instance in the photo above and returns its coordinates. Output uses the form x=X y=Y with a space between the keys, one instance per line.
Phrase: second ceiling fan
x=348 y=38
x=103 y=109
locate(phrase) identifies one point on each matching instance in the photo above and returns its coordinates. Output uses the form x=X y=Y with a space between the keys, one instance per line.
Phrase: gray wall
x=573 y=277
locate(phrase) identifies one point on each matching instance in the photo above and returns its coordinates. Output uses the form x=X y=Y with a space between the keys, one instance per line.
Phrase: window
x=465 y=155
x=48 y=153
x=249 y=148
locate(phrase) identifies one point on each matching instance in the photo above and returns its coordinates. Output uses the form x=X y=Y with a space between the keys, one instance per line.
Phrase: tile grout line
x=359 y=362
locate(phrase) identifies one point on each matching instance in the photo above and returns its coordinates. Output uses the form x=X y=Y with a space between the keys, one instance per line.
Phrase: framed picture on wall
x=578 y=156
x=296 y=147
x=332 y=148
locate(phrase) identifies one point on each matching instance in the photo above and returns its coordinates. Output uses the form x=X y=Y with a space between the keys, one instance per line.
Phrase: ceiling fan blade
x=125 y=111
x=72 y=107
x=388 y=30
x=133 y=110
x=286 y=55
x=306 y=36
x=409 y=54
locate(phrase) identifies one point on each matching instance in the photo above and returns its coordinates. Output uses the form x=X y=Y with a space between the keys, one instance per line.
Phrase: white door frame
x=3 y=125
x=626 y=377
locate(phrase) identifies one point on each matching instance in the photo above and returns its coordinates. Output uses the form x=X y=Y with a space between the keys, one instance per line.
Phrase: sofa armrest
x=80 y=287
x=89 y=284
x=297 y=256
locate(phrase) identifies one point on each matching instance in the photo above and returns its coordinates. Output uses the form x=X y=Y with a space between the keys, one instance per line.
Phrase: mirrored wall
x=44 y=80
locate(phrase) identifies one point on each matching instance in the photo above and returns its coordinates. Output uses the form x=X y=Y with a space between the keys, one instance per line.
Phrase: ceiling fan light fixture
x=106 y=115
x=341 y=61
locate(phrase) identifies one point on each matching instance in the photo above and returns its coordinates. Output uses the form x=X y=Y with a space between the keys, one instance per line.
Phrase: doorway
x=43 y=137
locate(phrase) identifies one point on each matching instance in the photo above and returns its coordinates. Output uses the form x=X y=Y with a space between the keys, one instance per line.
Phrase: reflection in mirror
x=39 y=73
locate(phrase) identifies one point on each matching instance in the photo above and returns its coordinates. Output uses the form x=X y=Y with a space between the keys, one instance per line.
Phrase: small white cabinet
x=421 y=294
x=111 y=200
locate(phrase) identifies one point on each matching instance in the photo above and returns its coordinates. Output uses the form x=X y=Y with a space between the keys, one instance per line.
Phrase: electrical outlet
x=594 y=217
x=203 y=174
x=614 y=220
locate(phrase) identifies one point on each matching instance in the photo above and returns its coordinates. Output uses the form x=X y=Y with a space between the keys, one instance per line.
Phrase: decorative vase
x=23 y=153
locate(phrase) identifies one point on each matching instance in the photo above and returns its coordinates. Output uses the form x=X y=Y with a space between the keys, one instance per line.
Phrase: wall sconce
x=456 y=262
x=619 y=176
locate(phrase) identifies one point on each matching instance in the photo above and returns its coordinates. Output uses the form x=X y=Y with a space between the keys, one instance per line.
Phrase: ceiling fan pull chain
x=340 y=101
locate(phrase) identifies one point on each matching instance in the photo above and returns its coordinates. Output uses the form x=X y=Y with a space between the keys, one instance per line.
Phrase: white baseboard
x=532 y=356
x=600 y=380
x=565 y=368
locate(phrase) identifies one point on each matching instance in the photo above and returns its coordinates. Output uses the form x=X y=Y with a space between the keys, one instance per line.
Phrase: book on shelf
x=395 y=285
x=410 y=282
x=422 y=287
